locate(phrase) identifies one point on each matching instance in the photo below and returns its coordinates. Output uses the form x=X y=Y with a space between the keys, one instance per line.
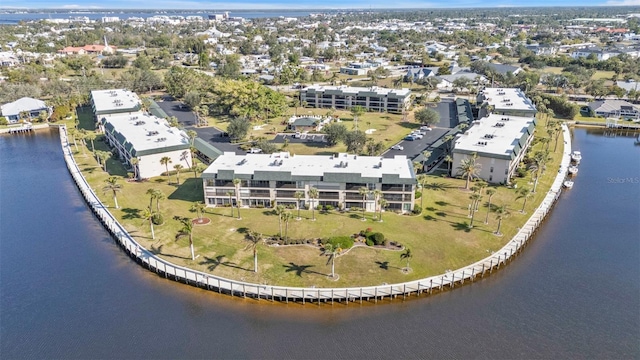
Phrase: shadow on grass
x=438 y=186
x=430 y=218
x=431 y=208
x=355 y=216
x=130 y=213
x=442 y=203
x=213 y=263
x=441 y=214
x=384 y=265
x=157 y=250
x=461 y=226
x=189 y=190
x=409 y=125
x=300 y=269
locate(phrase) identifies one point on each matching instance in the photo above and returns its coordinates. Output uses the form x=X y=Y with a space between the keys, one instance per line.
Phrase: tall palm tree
x=356 y=111
x=83 y=137
x=406 y=255
x=187 y=231
x=114 y=187
x=159 y=195
x=165 y=160
x=103 y=156
x=449 y=161
x=147 y=215
x=501 y=213
x=279 y=210
x=364 y=192
x=313 y=195
x=152 y=195
x=134 y=164
x=255 y=239
x=524 y=193
x=475 y=198
x=332 y=252
x=447 y=140
x=178 y=167
x=425 y=155
x=490 y=193
x=299 y=195
x=91 y=136
x=481 y=184
x=73 y=133
x=229 y=193
x=468 y=168
x=377 y=195
x=383 y=205
x=198 y=207
x=422 y=180
x=236 y=184
x=286 y=217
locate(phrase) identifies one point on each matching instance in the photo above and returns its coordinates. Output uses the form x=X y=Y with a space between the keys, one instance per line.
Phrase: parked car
x=397 y=147
x=425 y=128
x=255 y=151
x=417 y=135
x=410 y=138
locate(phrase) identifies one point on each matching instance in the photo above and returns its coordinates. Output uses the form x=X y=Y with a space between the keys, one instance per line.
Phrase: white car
x=417 y=135
x=425 y=128
x=397 y=147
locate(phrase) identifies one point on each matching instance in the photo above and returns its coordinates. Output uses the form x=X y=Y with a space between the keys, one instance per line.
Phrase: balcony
x=260 y=193
x=353 y=196
x=388 y=187
x=285 y=194
x=286 y=185
x=329 y=195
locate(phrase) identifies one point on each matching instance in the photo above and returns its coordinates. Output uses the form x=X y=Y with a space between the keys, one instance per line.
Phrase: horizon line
x=93 y=8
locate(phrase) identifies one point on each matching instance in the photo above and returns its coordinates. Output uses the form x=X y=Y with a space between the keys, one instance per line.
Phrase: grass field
x=439 y=238
x=606 y=75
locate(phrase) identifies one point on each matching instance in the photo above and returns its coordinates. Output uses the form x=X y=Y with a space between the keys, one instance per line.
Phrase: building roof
x=374 y=90
x=22 y=104
x=497 y=136
x=507 y=99
x=143 y=134
x=304 y=121
x=503 y=69
x=336 y=168
x=462 y=74
x=608 y=106
x=115 y=101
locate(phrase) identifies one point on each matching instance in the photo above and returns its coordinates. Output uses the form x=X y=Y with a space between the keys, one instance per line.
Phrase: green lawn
x=439 y=238
x=600 y=74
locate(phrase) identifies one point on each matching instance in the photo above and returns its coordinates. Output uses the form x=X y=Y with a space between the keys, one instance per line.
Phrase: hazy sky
x=297 y=4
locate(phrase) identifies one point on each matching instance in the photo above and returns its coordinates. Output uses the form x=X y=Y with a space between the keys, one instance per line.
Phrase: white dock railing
x=440 y=282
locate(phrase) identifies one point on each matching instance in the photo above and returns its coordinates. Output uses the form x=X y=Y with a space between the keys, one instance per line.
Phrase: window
x=493 y=161
x=210 y=182
x=506 y=171
x=491 y=170
x=490 y=178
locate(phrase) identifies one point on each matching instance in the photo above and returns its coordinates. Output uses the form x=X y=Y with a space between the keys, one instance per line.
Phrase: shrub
x=319 y=207
x=417 y=210
x=328 y=207
x=418 y=194
x=344 y=242
x=157 y=219
x=377 y=238
x=370 y=242
x=521 y=172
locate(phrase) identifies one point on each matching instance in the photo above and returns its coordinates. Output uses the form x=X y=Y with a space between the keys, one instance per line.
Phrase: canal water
x=67 y=291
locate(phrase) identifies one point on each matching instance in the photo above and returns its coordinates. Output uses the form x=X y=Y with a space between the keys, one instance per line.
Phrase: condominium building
x=149 y=139
x=106 y=103
x=505 y=101
x=499 y=141
x=270 y=179
x=344 y=97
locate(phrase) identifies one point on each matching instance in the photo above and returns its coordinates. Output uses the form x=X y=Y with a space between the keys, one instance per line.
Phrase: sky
x=298 y=4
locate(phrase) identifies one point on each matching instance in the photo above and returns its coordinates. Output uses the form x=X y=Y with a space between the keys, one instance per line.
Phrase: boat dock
x=449 y=280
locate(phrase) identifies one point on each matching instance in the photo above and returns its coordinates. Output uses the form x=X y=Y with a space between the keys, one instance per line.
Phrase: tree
x=377 y=195
x=299 y=195
x=229 y=193
x=355 y=141
x=134 y=164
x=91 y=136
x=165 y=160
x=425 y=155
x=255 y=239
x=158 y=195
x=332 y=251
x=501 y=213
x=524 y=193
x=475 y=198
x=238 y=128
x=356 y=111
x=279 y=210
x=540 y=158
x=178 y=167
x=237 y=183
x=198 y=207
x=313 y=195
x=335 y=132
x=427 y=116
x=406 y=255
x=114 y=187
x=364 y=192
x=468 y=168
x=286 y=217
x=383 y=205
x=103 y=156
x=422 y=180
x=147 y=215
x=142 y=62
x=152 y=195
x=187 y=231
x=490 y=193
x=449 y=160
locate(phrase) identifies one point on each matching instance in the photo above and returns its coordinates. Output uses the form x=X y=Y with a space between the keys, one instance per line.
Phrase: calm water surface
x=67 y=291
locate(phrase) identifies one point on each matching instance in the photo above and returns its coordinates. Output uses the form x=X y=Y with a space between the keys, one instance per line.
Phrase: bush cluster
x=157 y=219
x=417 y=210
x=344 y=242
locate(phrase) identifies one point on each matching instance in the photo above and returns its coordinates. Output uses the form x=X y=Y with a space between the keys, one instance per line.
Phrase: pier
x=372 y=294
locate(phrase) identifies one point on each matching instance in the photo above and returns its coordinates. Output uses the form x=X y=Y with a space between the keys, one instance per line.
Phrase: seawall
x=231 y=287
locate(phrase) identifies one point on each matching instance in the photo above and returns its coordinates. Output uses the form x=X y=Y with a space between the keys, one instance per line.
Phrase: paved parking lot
x=416 y=147
x=315 y=138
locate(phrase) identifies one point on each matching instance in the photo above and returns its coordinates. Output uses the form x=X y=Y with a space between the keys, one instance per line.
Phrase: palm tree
x=425 y=155
x=475 y=198
x=73 y=133
x=298 y=195
x=113 y=186
x=152 y=195
x=406 y=255
x=134 y=164
x=255 y=238
x=83 y=137
x=422 y=180
x=279 y=210
x=377 y=195
x=449 y=161
x=91 y=136
x=383 y=205
x=103 y=156
x=364 y=192
x=159 y=195
x=356 y=111
x=468 y=168
x=490 y=192
x=229 y=193
x=447 y=140
x=313 y=195
x=178 y=167
x=187 y=230
x=166 y=161
x=524 y=193
x=147 y=215
x=540 y=158
x=198 y=207
x=332 y=252
x=501 y=213
x=286 y=216
x=236 y=184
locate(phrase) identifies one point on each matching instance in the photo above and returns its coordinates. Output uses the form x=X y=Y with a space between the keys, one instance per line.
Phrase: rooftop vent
x=482 y=143
x=488 y=136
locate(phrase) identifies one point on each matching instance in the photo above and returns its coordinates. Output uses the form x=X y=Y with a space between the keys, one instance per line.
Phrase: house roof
x=22 y=104
x=304 y=121
x=503 y=69
x=608 y=106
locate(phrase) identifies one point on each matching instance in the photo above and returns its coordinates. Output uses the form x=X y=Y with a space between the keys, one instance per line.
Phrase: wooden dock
x=442 y=282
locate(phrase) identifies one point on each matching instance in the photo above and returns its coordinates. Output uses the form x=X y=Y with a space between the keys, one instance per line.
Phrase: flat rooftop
x=115 y=100
x=356 y=90
x=147 y=134
x=508 y=99
x=498 y=136
x=313 y=165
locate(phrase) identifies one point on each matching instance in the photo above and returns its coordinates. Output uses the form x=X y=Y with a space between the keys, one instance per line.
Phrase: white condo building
x=345 y=97
x=505 y=101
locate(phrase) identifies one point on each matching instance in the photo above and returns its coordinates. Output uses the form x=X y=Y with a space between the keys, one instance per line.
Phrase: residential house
x=30 y=107
x=615 y=109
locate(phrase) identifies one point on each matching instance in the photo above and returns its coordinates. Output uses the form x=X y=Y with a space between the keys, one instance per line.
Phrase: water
x=67 y=291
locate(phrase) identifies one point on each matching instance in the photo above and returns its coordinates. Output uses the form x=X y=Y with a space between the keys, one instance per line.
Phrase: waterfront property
x=24 y=107
x=105 y=103
x=345 y=97
x=147 y=138
x=500 y=143
x=505 y=101
x=615 y=108
x=269 y=178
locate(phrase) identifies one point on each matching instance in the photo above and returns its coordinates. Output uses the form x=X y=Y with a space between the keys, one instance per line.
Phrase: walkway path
x=440 y=282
